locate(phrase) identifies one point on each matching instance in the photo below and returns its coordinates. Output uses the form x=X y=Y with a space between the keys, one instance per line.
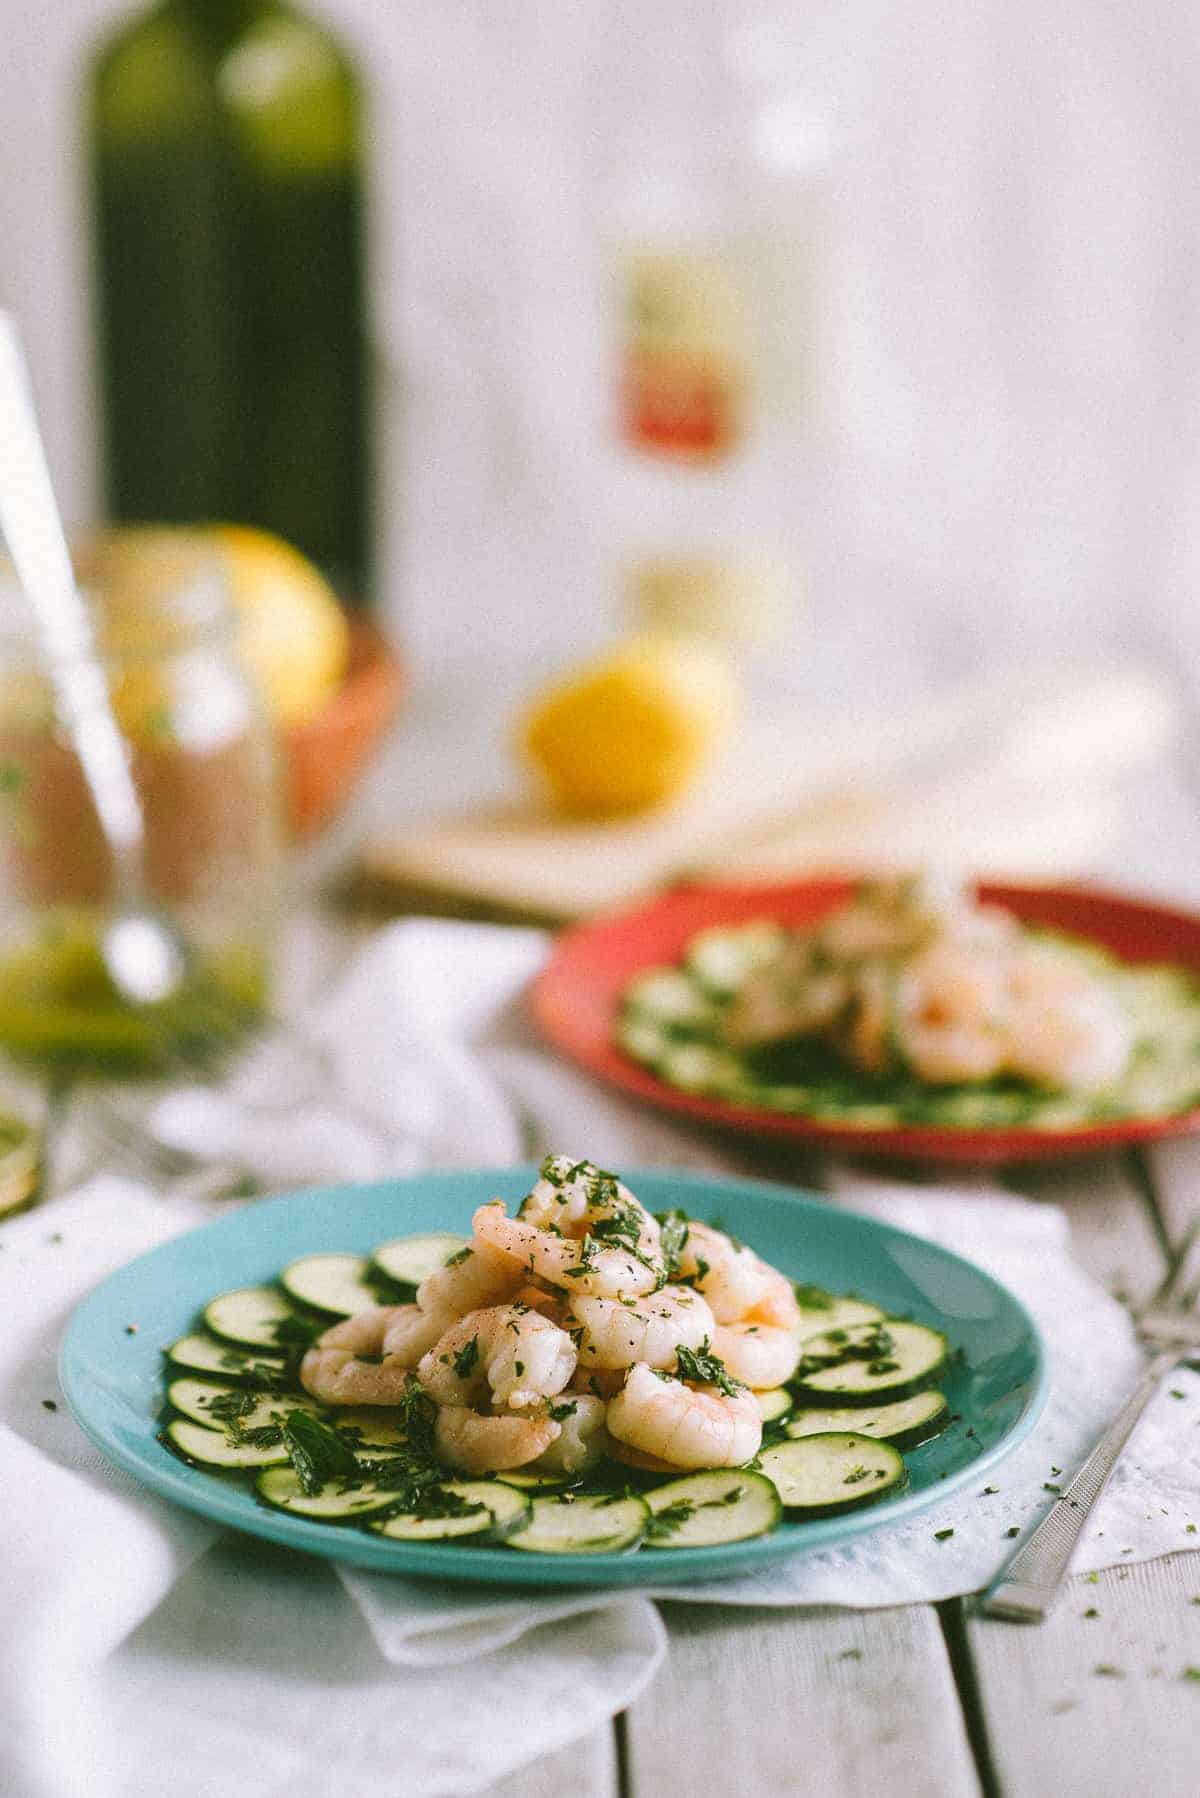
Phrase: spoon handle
x=33 y=532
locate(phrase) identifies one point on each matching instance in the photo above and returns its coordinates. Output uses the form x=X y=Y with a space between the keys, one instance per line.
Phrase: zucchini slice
x=721 y=958
x=375 y=1425
x=905 y=1423
x=408 y=1259
x=335 y=1503
x=669 y=998
x=248 y=1316
x=500 y=1512
x=597 y=1524
x=837 y=1312
x=194 y=1400
x=707 y=1509
x=213 y=1448
x=223 y=1361
x=333 y=1283
x=914 y=1359
x=524 y=1481
x=775 y=1402
x=822 y=1475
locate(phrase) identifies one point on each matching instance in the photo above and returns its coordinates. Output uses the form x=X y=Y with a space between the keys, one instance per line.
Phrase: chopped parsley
x=459 y=1256
x=813 y=1298
x=942 y=1535
x=673 y=1236
x=700 y=1367
x=316 y=1451
x=674 y=1516
x=560 y=1413
x=467 y=1358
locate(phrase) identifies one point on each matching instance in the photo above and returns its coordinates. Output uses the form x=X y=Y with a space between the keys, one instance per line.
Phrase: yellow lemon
x=292 y=633
x=631 y=730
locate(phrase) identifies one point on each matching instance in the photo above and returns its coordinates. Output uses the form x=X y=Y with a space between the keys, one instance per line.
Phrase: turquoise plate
x=113 y=1381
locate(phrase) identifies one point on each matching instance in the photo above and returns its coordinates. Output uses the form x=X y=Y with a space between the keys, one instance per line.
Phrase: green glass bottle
x=226 y=144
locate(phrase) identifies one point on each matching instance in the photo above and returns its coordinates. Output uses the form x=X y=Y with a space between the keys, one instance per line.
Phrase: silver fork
x=1169 y=1328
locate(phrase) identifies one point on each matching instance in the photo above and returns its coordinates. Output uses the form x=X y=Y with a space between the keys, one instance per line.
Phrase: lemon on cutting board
x=292 y=634
x=631 y=730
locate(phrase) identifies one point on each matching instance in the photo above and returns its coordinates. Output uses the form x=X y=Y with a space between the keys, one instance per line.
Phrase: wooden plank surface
x=844 y=1704
x=1098 y=1706
x=585 y=1769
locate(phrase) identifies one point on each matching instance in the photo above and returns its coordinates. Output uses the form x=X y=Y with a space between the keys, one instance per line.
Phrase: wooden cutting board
x=1020 y=777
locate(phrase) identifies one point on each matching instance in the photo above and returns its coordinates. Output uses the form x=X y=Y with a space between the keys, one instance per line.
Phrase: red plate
x=576 y=1000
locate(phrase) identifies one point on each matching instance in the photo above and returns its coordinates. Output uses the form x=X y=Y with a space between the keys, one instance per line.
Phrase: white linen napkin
x=249 y=1668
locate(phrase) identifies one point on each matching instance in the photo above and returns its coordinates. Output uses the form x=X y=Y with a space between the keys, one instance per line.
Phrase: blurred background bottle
x=709 y=294
x=226 y=143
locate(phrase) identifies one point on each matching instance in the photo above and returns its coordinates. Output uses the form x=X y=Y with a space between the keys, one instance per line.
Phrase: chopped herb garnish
x=1106 y=1670
x=1091 y=1611
x=459 y=1256
x=131 y=1329
x=989 y=1490
x=673 y=1236
x=813 y=1298
x=1014 y=1531
x=48 y=1404
x=317 y=1453
x=851 y=1654
x=560 y=1413
x=855 y=1475
x=467 y=1358
x=1190 y=1673
x=942 y=1535
x=700 y=1367
x=671 y=1517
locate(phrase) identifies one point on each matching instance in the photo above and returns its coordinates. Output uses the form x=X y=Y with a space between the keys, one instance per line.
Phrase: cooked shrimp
x=581 y=1267
x=572 y=1197
x=757 y=1354
x=1065 y=1029
x=737 y=1283
x=473 y=1443
x=687 y=1426
x=617 y=1332
x=512 y=1355
x=950 y=1012
x=335 y=1371
x=477 y=1276
x=582 y=1439
x=411 y=1332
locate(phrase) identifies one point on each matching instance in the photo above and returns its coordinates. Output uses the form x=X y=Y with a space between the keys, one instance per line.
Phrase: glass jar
x=203 y=763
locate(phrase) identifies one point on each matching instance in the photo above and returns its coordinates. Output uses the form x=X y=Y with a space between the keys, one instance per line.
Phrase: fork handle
x=1028 y=1586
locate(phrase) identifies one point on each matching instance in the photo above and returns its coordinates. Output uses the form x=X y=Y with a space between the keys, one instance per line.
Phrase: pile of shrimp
x=913 y=974
x=571 y=1331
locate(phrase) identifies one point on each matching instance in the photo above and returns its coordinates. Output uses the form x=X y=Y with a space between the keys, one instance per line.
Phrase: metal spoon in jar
x=144 y=955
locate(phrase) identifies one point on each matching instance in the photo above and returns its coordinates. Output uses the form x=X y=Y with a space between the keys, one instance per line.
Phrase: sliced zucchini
x=248 y=1316
x=835 y=1312
x=915 y=1358
x=335 y=1503
x=723 y=957
x=710 y=1508
x=222 y=1361
x=408 y=1259
x=213 y=1448
x=333 y=1283
x=524 y=1481
x=375 y=1425
x=500 y=1511
x=194 y=1398
x=904 y=1424
x=699 y=1068
x=822 y=1475
x=773 y=1404
x=597 y=1524
x=669 y=998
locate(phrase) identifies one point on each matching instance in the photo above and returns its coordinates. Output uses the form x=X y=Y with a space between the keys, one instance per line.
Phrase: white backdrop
x=1012 y=341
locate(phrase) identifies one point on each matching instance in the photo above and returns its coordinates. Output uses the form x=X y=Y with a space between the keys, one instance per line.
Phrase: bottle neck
x=221 y=21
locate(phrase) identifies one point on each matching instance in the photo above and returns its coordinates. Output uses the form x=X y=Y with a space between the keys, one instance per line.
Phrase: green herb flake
x=700 y=1367
x=1176 y=1393
x=1091 y=1611
x=49 y=1404
x=467 y=1358
x=1010 y=1533
x=459 y=1256
x=316 y=1451
x=1106 y=1670
x=942 y=1535
x=1191 y=1673
x=851 y=1654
